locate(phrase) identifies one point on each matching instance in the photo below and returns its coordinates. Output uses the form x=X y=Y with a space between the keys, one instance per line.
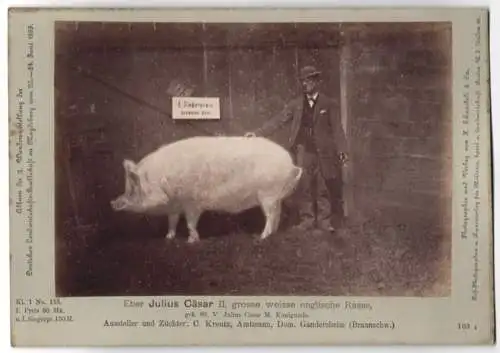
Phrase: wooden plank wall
x=400 y=117
x=114 y=84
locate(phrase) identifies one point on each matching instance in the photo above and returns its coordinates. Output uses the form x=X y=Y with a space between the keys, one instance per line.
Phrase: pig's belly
x=231 y=205
x=227 y=200
x=164 y=209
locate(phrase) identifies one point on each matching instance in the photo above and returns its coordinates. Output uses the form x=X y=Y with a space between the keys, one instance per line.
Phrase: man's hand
x=250 y=134
x=343 y=158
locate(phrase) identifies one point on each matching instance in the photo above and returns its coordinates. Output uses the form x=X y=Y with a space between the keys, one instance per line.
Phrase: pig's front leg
x=173 y=219
x=192 y=217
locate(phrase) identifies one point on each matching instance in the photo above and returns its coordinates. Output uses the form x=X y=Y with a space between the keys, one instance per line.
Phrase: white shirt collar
x=314 y=96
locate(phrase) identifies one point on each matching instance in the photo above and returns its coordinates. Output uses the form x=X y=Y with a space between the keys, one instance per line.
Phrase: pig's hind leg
x=277 y=217
x=271 y=209
x=173 y=220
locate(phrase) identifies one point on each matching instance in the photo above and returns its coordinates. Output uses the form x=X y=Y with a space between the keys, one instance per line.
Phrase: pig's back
x=218 y=167
x=219 y=151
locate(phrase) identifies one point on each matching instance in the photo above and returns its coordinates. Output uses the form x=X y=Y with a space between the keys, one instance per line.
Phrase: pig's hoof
x=192 y=240
x=170 y=236
x=263 y=236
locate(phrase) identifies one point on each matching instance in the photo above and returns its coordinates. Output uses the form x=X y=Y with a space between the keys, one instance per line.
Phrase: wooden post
x=71 y=185
x=296 y=54
x=347 y=171
x=205 y=59
x=230 y=79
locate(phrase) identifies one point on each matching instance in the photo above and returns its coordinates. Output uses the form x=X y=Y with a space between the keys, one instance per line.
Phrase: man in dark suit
x=317 y=141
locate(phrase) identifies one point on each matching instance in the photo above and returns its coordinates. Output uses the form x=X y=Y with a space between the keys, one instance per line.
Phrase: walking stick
x=314 y=195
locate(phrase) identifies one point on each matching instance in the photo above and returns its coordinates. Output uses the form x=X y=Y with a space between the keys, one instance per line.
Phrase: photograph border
x=473 y=323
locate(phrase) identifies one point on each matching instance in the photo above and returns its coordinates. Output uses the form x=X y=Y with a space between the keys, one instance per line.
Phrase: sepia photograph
x=228 y=177
x=253 y=158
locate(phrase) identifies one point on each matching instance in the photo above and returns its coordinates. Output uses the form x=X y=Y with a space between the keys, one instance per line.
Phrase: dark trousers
x=308 y=188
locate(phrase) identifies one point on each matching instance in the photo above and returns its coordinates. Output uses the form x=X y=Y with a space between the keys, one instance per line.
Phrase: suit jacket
x=329 y=136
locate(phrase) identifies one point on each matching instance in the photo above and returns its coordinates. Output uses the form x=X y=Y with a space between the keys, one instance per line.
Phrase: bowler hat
x=308 y=71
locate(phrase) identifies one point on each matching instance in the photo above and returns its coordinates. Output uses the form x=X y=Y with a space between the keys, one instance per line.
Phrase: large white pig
x=228 y=174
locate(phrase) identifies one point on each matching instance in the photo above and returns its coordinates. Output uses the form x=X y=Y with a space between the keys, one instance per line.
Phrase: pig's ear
x=131 y=175
x=129 y=166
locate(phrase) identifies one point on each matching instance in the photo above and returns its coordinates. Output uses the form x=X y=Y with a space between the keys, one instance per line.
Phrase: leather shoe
x=335 y=224
x=331 y=228
x=304 y=224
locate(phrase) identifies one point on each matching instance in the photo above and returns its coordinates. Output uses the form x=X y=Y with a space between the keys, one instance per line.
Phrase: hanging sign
x=199 y=108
